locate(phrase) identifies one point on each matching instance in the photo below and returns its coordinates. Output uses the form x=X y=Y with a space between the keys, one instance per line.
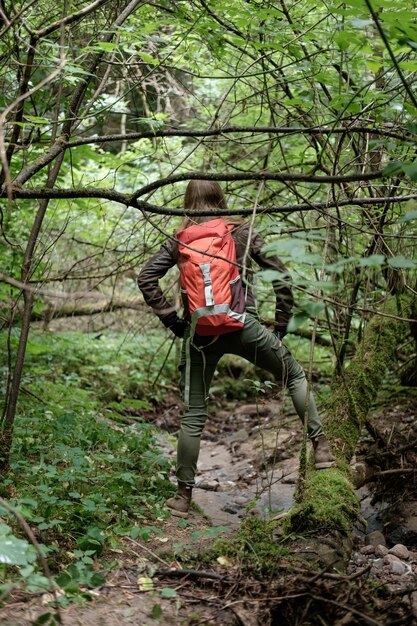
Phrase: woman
x=252 y=342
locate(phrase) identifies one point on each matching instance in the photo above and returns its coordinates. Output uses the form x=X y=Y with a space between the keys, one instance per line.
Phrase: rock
x=369 y=549
x=255 y=512
x=208 y=485
x=238 y=437
x=291 y=479
x=400 y=550
x=360 y=472
x=398 y=568
x=241 y=500
x=404 y=535
x=413 y=600
x=227 y=486
x=231 y=508
x=378 y=564
x=376 y=538
x=401 y=524
x=391 y=558
x=381 y=551
x=252 y=410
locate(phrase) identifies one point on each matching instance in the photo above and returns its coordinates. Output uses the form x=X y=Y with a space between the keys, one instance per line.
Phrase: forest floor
x=249 y=467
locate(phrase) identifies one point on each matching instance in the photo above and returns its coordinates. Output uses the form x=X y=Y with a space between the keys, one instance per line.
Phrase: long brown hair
x=200 y=195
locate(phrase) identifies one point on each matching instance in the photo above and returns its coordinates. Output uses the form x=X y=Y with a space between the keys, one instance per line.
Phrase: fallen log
x=72 y=307
x=326 y=506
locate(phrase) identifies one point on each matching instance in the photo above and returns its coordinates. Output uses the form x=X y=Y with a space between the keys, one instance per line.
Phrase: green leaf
x=143 y=533
x=410 y=169
x=107 y=46
x=409 y=216
x=96 y=580
x=93 y=541
x=297 y=320
x=167 y=592
x=26 y=570
x=37 y=120
x=313 y=308
x=392 y=168
x=156 y=611
x=14 y=551
x=216 y=530
x=48 y=619
x=374 y=260
x=146 y=57
x=411 y=127
x=410 y=108
x=408 y=65
x=343 y=40
x=401 y=262
x=339 y=266
x=270 y=276
x=36 y=348
x=64 y=579
x=358 y=23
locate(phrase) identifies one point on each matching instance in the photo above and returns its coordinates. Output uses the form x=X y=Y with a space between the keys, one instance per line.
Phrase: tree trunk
x=326 y=503
x=52 y=160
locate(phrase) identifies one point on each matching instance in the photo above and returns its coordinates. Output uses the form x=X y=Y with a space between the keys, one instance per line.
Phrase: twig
x=29 y=533
x=142 y=547
x=331 y=575
x=404 y=470
x=163 y=364
x=404 y=448
x=194 y=573
x=366 y=618
x=390 y=52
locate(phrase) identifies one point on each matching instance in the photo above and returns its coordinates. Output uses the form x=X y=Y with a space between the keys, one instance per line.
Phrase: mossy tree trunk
x=326 y=499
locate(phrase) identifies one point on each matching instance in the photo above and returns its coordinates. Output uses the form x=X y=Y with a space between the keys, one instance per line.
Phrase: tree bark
x=326 y=503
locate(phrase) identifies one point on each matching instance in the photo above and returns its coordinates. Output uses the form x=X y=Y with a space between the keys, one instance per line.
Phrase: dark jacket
x=167 y=257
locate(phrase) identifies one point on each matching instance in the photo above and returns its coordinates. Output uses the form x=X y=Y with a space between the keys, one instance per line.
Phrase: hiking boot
x=179 y=505
x=323 y=458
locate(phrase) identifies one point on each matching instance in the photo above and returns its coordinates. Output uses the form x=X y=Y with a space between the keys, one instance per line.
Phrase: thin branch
x=276 y=176
x=127 y=200
x=6 y=112
x=35 y=288
x=192 y=573
x=390 y=52
x=69 y=19
x=348 y=609
x=142 y=547
x=76 y=100
x=391 y=472
x=215 y=132
x=29 y=533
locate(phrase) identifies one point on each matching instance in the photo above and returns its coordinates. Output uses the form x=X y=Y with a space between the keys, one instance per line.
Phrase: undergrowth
x=77 y=477
x=258 y=547
x=85 y=467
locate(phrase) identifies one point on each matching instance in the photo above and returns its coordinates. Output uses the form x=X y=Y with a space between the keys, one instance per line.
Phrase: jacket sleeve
x=282 y=286
x=148 y=282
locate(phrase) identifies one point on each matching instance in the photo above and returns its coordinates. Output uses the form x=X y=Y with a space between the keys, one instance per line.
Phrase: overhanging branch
x=262 y=175
x=227 y=130
x=126 y=199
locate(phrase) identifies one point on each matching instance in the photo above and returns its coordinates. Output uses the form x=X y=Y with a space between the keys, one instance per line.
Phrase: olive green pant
x=259 y=346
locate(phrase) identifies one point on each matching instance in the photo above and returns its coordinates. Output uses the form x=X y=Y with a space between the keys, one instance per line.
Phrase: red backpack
x=211 y=286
